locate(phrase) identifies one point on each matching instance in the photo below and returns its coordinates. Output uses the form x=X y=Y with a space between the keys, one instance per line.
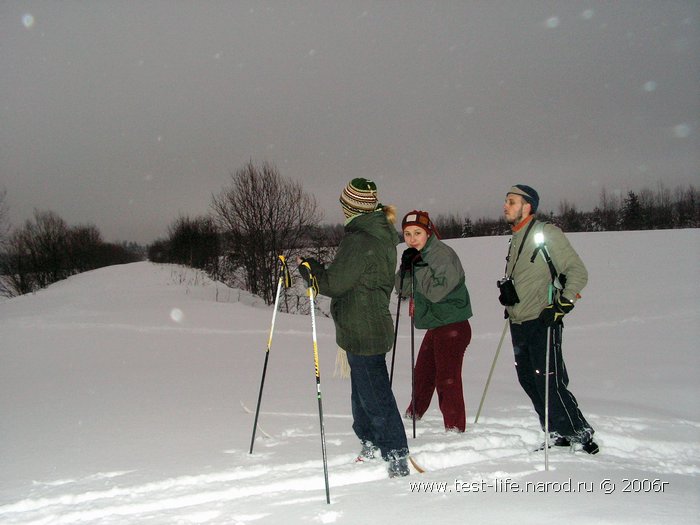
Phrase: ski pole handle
x=286 y=275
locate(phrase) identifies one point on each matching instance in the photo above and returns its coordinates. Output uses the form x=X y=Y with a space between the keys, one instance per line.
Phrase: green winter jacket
x=440 y=294
x=359 y=282
x=531 y=277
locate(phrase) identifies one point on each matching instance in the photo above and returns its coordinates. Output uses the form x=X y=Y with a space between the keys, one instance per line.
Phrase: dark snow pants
x=376 y=417
x=530 y=345
x=439 y=367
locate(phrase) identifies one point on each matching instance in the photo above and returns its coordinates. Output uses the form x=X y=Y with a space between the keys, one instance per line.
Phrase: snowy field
x=125 y=397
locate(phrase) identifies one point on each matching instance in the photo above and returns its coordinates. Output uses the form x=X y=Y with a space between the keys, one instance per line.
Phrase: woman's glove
x=410 y=258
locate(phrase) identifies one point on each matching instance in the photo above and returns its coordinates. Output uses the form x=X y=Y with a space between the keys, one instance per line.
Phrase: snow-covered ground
x=125 y=397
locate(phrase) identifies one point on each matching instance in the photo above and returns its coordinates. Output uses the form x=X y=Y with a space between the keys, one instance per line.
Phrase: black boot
x=561 y=441
x=590 y=447
x=555 y=440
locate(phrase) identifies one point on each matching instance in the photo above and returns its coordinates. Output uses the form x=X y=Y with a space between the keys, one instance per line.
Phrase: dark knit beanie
x=418 y=218
x=527 y=193
x=359 y=196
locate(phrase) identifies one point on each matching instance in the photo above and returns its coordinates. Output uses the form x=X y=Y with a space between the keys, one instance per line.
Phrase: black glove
x=305 y=272
x=410 y=258
x=555 y=312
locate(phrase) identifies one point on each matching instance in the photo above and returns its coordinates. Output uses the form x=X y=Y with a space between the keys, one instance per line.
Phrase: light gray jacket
x=531 y=277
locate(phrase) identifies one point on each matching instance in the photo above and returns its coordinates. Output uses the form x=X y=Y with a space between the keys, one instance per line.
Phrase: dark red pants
x=439 y=367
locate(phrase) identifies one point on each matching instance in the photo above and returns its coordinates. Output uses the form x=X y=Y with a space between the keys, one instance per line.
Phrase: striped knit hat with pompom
x=359 y=196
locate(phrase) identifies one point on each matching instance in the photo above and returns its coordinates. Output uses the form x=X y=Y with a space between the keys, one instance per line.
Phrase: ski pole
x=413 y=346
x=555 y=283
x=310 y=293
x=493 y=365
x=396 y=331
x=285 y=280
x=550 y=342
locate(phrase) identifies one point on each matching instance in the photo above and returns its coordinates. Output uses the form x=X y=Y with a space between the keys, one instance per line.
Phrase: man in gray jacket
x=533 y=307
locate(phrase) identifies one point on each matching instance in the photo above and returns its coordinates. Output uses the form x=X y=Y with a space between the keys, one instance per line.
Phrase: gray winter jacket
x=441 y=295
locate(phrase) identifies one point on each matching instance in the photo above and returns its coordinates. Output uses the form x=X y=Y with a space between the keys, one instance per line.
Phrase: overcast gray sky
x=128 y=114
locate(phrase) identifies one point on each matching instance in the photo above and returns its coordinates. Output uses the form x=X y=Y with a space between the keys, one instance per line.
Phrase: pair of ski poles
x=553 y=338
x=285 y=280
x=393 y=357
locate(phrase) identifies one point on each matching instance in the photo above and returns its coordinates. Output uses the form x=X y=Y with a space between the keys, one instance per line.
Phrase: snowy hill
x=125 y=397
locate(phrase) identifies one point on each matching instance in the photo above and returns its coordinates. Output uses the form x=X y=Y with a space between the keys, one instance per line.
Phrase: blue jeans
x=376 y=417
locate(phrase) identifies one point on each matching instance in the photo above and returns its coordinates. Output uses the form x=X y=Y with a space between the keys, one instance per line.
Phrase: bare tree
x=37 y=254
x=663 y=209
x=450 y=226
x=687 y=207
x=570 y=219
x=4 y=235
x=263 y=215
x=4 y=220
x=47 y=240
x=194 y=242
x=606 y=214
x=84 y=246
x=17 y=275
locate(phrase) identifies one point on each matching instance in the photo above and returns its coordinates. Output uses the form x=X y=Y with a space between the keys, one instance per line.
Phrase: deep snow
x=125 y=397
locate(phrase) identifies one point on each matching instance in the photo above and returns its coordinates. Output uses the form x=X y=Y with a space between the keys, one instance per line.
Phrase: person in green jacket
x=359 y=282
x=432 y=273
x=531 y=313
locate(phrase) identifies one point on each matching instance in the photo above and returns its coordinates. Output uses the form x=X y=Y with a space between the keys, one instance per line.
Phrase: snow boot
x=398 y=467
x=368 y=452
x=557 y=441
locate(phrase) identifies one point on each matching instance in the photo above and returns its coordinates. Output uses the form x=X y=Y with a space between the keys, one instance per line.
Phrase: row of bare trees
x=46 y=250
x=257 y=217
x=261 y=215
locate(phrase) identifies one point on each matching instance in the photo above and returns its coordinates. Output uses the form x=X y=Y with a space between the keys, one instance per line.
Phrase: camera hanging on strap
x=509 y=295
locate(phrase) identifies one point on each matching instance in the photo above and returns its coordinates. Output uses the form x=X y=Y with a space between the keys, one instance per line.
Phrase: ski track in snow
x=502 y=444
x=121 y=327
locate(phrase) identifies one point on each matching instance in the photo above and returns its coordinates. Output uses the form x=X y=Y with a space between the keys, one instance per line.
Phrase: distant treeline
x=261 y=215
x=662 y=209
x=240 y=250
x=46 y=250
